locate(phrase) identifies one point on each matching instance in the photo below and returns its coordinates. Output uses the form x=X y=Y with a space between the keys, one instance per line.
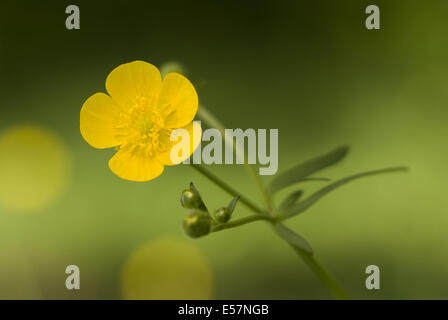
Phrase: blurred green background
x=308 y=68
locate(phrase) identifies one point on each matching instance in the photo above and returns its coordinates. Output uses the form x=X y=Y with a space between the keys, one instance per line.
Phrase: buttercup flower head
x=138 y=117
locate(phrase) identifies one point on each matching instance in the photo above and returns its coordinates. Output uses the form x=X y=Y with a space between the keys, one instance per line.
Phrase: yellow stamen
x=141 y=124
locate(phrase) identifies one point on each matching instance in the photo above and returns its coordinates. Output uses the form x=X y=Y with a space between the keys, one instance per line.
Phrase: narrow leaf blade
x=290 y=200
x=305 y=204
x=301 y=171
x=292 y=237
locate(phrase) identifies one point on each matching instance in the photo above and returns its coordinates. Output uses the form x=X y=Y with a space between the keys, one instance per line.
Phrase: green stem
x=239 y=222
x=322 y=274
x=309 y=260
x=213 y=122
x=227 y=188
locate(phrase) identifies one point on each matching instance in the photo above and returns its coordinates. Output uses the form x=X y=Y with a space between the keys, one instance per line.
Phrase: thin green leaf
x=231 y=206
x=293 y=238
x=290 y=200
x=301 y=171
x=305 y=204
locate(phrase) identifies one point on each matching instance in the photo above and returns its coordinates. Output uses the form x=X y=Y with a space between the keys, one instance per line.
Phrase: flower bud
x=197 y=224
x=190 y=200
x=172 y=66
x=222 y=215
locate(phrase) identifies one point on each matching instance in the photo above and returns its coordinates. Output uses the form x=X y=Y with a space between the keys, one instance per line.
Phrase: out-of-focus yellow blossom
x=138 y=117
x=167 y=268
x=34 y=168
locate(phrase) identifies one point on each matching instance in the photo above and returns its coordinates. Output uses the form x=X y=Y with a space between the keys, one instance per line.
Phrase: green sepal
x=232 y=204
x=202 y=205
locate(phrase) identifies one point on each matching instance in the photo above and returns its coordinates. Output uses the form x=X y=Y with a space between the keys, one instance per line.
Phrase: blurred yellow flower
x=167 y=268
x=35 y=168
x=138 y=117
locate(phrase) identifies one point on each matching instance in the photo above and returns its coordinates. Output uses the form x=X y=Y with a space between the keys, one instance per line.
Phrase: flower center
x=141 y=125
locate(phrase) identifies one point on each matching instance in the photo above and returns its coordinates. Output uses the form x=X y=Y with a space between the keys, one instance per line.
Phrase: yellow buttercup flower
x=138 y=117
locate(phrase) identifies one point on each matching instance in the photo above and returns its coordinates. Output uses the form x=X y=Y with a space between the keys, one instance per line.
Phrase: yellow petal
x=97 y=119
x=131 y=80
x=134 y=166
x=178 y=100
x=195 y=133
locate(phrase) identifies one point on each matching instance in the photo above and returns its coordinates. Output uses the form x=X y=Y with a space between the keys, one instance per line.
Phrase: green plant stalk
x=227 y=188
x=309 y=260
x=213 y=122
x=322 y=274
x=245 y=220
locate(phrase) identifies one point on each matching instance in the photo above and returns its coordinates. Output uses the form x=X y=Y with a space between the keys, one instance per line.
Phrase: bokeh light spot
x=34 y=168
x=167 y=268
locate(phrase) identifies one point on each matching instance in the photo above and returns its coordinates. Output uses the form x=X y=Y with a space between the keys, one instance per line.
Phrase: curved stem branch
x=227 y=188
x=309 y=259
x=212 y=121
x=239 y=222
